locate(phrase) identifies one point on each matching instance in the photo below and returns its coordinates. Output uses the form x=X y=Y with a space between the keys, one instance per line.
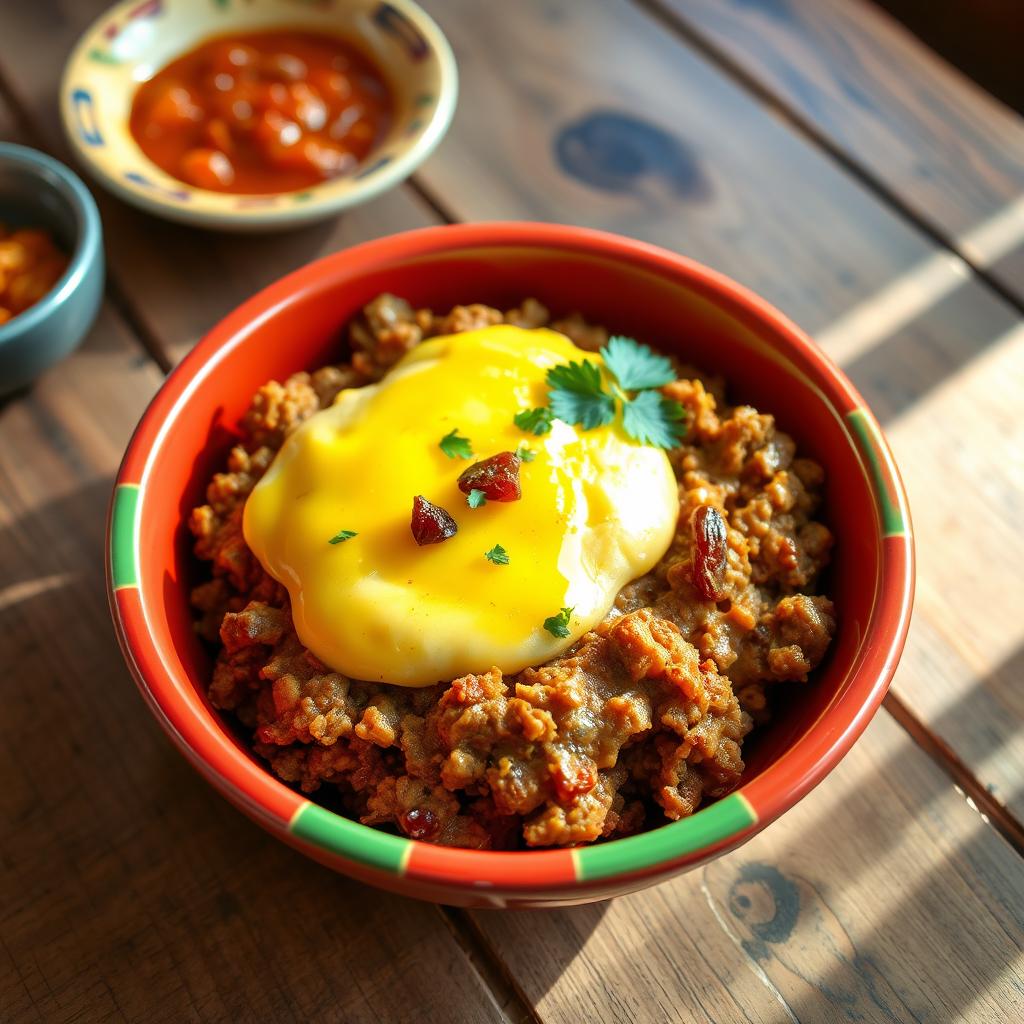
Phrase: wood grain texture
x=882 y=897
x=594 y=114
x=960 y=450
x=949 y=151
x=905 y=318
x=129 y=891
x=154 y=264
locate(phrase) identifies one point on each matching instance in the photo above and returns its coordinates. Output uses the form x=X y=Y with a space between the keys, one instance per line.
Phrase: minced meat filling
x=642 y=720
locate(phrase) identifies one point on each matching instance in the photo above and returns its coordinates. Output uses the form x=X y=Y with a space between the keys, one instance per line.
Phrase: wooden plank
x=927 y=375
x=950 y=152
x=153 y=263
x=903 y=316
x=881 y=897
x=965 y=479
x=156 y=263
x=594 y=114
x=129 y=890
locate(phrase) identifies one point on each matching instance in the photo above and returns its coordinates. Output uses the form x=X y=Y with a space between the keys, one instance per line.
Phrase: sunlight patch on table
x=903 y=300
x=25 y=590
x=989 y=241
x=967 y=502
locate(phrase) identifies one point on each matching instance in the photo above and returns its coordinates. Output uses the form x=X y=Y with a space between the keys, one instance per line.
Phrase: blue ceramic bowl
x=37 y=191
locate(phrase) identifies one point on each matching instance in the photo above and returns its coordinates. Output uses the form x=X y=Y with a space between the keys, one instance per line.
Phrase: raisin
x=419 y=823
x=497 y=477
x=571 y=781
x=430 y=523
x=709 y=543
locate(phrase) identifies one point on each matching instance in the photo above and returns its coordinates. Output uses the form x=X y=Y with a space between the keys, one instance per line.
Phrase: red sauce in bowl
x=262 y=112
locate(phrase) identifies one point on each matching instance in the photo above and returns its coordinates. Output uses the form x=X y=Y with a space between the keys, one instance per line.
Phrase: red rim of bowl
x=370 y=853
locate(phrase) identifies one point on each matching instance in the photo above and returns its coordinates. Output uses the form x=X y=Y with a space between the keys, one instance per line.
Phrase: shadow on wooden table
x=805 y=921
x=128 y=887
x=792 y=928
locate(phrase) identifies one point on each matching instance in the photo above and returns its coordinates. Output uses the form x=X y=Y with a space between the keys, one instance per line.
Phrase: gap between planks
x=805 y=128
x=991 y=810
x=431 y=199
x=492 y=970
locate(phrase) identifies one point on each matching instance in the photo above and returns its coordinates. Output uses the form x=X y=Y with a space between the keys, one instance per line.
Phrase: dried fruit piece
x=430 y=523
x=419 y=823
x=572 y=780
x=709 y=544
x=497 y=477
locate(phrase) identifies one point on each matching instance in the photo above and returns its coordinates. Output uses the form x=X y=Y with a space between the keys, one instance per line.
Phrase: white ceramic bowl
x=133 y=40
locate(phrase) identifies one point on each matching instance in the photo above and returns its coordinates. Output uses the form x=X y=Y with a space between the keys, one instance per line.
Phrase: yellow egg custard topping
x=513 y=582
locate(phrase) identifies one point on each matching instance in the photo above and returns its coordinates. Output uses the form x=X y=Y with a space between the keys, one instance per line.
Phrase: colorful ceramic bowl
x=134 y=39
x=633 y=288
x=37 y=191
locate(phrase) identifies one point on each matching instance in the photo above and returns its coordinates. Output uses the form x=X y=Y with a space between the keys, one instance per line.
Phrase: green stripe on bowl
x=356 y=842
x=124 y=569
x=706 y=828
x=872 y=444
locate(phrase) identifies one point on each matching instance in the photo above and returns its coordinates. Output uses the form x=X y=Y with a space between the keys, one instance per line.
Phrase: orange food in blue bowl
x=30 y=265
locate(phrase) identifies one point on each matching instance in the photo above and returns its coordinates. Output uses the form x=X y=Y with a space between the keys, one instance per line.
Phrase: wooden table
x=817 y=153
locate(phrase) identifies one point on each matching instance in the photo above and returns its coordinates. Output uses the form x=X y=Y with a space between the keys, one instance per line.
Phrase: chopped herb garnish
x=342 y=535
x=578 y=396
x=534 y=421
x=558 y=625
x=579 y=393
x=476 y=498
x=526 y=454
x=635 y=366
x=651 y=418
x=456 y=447
x=498 y=555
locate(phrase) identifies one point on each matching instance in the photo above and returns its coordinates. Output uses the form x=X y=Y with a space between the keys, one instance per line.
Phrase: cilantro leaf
x=558 y=625
x=498 y=555
x=456 y=447
x=650 y=418
x=582 y=378
x=588 y=411
x=525 y=454
x=635 y=366
x=534 y=421
x=578 y=396
x=476 y=498
x=342 y=535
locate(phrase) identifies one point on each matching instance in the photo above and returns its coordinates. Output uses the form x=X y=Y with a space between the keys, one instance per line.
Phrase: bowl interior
x=132 y=41
x=303 y=330
x=32 y=196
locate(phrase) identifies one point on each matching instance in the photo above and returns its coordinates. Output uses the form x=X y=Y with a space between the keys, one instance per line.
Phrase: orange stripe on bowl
x=529 y=870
